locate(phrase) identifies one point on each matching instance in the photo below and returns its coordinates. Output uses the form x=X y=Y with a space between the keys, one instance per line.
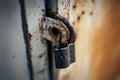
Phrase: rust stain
x=74 y=6
x=76 y=1
x=56 y=27
x=55 y=30
x=29 y=41
x=91 y=13
x=30 y=36
x=93 y=1
x=83 y=12
x=66 y=77
x=78 y=18
x=40 y=31
x=73 y=23
x=98 y=42
x=108 y=67
x=81 y=3
x=40 y=27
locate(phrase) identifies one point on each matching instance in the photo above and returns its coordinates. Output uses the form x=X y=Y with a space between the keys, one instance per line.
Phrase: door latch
x=60 y=32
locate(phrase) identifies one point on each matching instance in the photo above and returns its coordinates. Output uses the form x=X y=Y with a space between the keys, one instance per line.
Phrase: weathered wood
x=13 y=60
x=35 y=11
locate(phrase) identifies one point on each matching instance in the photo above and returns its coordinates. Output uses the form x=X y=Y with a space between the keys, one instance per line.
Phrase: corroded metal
x=97 y=44
x=63 y=8
x=50 y=24
x=64 y=12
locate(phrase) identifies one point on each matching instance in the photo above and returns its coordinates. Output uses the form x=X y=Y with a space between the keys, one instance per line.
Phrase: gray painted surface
x=13 y=62
x=34 y=14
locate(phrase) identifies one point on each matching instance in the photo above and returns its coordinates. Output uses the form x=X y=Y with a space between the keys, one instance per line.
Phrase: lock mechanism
x=60 y=32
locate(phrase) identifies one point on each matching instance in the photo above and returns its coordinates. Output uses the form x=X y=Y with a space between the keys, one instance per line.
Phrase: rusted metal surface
x=68 y=24
x=13 y=60
x=35 y=11
x=64 y=11
x=63 y=8
x=48 y=33
x=98 y=43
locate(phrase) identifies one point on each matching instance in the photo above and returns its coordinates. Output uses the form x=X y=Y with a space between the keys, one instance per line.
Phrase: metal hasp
x=61 y=33
x=50 y=26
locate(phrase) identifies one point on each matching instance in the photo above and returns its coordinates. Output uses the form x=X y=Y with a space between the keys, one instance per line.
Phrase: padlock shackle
x=68 y=25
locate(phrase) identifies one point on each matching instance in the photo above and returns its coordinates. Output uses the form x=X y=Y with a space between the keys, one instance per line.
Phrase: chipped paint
x=38 y=47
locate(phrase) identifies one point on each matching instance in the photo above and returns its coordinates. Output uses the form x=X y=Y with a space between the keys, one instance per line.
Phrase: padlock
x=72 y=38
x=72 y=52
x=62 y=57
x=61 y=33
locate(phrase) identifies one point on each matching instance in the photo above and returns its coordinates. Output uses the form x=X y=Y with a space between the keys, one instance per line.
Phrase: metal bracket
x=51 y=26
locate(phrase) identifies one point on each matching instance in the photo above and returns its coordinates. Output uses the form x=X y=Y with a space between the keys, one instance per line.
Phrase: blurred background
x=97 y=24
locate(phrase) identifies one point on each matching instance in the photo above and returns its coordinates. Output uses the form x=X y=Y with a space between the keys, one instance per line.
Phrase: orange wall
x=97 y=24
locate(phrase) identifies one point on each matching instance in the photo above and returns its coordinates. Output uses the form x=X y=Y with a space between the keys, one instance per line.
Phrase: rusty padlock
x=62 y=34
x=72 y=37
x=61 y=53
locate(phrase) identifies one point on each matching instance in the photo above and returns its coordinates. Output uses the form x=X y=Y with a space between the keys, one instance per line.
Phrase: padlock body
x=62 y=57
x=72 y=52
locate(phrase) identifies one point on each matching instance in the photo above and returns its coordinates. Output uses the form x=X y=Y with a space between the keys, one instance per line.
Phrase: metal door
x=25 y=54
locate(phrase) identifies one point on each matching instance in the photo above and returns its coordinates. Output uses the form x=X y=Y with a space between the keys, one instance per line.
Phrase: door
x=97 y=46
x=23 y=53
